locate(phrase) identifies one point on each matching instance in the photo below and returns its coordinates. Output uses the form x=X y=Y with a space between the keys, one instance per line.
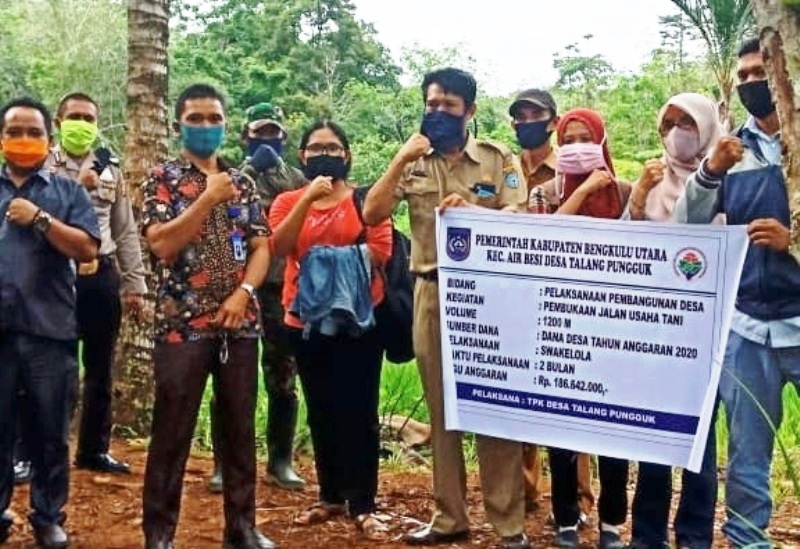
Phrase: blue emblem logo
x=458 y=243
x=512 y=180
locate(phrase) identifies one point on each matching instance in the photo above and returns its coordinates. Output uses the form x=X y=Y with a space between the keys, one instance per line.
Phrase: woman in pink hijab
x=689 y=127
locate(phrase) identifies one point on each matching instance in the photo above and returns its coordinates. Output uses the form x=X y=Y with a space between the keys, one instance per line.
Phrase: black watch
x=42 y=221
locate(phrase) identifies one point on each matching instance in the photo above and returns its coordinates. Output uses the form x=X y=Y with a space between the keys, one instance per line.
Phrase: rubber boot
x=215 y=482
x=281 y=423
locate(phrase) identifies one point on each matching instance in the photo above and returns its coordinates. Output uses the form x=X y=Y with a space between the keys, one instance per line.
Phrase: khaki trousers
x=532 y=469
x=500 y=461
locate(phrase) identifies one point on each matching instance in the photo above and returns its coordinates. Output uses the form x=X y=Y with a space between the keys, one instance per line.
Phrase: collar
x=186 y=164
x=42 y=173
x=471 y=149
x=61 y=159
x=752 y=126
x=550 y=161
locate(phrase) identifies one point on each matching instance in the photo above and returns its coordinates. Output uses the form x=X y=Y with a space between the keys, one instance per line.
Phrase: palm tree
x=721 y=24
x=779 y=30
x=146 y=141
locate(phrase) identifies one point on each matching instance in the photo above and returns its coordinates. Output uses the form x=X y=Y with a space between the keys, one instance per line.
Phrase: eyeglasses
x=333 y=149
x=685 y=123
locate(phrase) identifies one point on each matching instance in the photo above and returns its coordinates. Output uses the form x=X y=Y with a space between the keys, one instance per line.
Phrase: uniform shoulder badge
x=512 y=180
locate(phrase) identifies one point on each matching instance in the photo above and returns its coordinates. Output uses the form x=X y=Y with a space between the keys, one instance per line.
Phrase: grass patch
x=401 y=394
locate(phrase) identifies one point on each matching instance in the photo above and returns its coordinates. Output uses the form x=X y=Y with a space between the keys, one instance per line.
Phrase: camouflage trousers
x=277 y=362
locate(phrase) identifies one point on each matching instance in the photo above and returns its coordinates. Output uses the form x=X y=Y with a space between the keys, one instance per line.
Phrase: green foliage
x=582 y=74
x=722 y=24
x=75 y=45
x=317 y=60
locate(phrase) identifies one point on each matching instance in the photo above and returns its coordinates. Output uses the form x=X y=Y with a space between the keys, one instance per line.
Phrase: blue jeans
x=694 y=521
x=764 y=371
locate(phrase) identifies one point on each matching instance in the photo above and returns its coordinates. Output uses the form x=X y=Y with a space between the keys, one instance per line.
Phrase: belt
x=91 y=267
x=432 y=276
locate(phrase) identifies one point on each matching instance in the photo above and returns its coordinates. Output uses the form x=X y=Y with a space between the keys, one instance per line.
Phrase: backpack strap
x=359 y=195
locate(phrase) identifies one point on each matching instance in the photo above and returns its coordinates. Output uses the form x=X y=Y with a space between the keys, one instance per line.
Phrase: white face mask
x=683 y=145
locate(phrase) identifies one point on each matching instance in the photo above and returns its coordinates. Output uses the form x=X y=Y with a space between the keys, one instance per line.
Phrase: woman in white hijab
x=689 y=127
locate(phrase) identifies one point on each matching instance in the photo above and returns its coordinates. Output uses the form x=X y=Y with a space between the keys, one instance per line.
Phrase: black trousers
x=99 y=313
x=341 y=379
x=613 y=504
x=20 y=447
x=181 y=371
x=46 y=370
x=694 y=521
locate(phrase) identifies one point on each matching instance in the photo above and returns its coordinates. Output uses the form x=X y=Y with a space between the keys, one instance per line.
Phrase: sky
x=513 y=41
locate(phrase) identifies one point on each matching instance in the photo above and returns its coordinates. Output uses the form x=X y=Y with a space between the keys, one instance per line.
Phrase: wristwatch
x=249 y=288
x=42 y=221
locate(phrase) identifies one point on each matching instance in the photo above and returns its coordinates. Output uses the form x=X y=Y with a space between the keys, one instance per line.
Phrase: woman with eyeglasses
x=689 y=127
x=331 y=272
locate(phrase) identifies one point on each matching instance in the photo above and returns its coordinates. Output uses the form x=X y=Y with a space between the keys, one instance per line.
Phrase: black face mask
x=444 y=130
x=756 y=98
x=253 y=143
x=327 y=166
x=532 y=135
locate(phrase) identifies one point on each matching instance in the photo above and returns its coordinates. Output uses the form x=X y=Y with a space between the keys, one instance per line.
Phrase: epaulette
x=502 y=148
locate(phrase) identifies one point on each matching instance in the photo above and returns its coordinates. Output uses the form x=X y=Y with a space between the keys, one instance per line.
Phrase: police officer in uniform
x=265 y=132
x=446 y=166
x=113 y=280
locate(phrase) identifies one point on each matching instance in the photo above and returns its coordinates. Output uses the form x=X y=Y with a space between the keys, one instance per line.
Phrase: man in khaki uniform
x=118 y=272
x=448 y=167
x=534 y=118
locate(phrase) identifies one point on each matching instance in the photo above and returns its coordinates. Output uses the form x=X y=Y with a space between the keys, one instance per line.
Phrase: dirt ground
x=104 y=512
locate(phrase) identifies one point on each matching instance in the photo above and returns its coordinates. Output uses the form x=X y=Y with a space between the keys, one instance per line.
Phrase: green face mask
x=77 y=136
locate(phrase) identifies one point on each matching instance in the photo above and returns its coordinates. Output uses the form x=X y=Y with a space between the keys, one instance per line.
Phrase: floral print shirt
x=192 y=287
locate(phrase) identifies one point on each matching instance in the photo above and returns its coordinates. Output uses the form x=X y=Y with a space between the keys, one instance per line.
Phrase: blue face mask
x=444 y=130
x=202 y=141
x=532 y=135
x=253 y=143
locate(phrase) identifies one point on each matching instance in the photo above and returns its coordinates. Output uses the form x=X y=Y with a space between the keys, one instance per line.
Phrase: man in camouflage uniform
x=264 y=128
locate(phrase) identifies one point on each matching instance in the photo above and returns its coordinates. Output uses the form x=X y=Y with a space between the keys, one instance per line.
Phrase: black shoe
x=429 y=536
x=610 y=540
x=50 y=536
x=6 y=521
x=249 y=539
x=102 y=463
x=22 y=472
x=567 y=539
x=520 y=541
x=636 y=544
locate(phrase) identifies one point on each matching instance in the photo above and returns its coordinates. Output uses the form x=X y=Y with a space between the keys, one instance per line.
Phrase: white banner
x=605 y=337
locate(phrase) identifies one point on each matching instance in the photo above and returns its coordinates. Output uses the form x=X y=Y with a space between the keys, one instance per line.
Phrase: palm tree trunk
x=779 y=30
x=145 y=145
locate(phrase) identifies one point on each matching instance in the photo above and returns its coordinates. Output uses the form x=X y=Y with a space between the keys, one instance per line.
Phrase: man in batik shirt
x=205 y=229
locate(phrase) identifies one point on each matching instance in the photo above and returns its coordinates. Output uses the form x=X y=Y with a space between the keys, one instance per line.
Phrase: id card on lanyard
x=237 y=236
